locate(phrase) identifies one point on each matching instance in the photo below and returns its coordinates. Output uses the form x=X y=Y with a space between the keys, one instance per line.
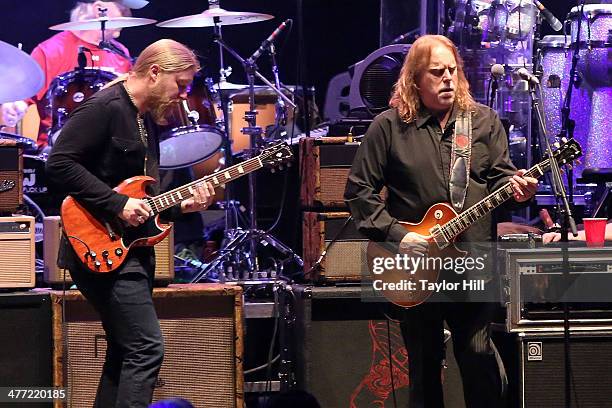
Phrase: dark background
x=337 y=33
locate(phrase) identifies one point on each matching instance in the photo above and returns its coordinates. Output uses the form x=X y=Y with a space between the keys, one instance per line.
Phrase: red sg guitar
x=102 y=245
x=441 y=225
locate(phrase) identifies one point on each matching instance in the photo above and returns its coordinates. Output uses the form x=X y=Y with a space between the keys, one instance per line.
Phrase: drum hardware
x=240 y=246
x=20 y=75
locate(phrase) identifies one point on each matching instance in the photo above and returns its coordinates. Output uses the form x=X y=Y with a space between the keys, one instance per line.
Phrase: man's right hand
x=414 y=244
x=12 y=112
x=135 y=212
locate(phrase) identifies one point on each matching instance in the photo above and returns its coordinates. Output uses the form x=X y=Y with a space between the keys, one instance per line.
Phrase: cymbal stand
x=107 y=45
x=249 y=238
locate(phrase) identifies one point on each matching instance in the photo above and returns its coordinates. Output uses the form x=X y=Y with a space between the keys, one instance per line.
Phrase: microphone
x=549 y=17
x=266 y=43
x=527 y=76
x=82 y=58
x=401 y=38
x=497 y=72
x=192 y=115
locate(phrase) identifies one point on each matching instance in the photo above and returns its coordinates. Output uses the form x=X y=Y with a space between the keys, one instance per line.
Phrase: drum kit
x=506 y=32
x=194 y=135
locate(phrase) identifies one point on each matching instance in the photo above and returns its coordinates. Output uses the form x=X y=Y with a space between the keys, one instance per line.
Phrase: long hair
x=405 y=94
x=170 y=55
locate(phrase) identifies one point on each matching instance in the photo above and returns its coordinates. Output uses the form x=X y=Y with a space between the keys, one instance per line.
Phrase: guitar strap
x=460 y=159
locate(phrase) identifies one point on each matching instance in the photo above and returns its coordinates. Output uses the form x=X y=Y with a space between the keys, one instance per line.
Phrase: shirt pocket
x=128 y=155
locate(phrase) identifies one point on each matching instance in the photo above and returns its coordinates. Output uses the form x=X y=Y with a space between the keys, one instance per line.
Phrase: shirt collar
x=424 y=116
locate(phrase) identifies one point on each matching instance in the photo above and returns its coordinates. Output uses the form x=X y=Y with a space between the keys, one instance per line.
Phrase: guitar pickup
x=438 y=237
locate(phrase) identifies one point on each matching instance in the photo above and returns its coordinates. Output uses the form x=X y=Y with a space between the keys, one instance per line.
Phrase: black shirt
x=99 y=147
x=413 y=161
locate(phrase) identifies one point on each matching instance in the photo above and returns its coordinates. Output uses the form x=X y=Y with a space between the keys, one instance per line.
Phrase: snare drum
x=67 y=91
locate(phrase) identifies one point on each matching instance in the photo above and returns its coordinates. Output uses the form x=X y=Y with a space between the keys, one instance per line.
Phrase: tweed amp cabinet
x=17 y=252
x=11 y=178
x=203 y=342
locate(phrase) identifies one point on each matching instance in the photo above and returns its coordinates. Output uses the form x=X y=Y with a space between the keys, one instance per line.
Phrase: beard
x=161 y=106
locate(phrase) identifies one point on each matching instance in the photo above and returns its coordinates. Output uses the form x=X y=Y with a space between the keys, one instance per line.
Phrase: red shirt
x=58 y=55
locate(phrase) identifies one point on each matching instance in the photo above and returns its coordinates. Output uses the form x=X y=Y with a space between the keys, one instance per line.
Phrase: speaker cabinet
x=345 y=247
x=202 y=329
x=17 y=253
x=542 y=382
x=25 y=342
x=54 y=275
x=324 y=167
x=11 y=178
x=342 y=351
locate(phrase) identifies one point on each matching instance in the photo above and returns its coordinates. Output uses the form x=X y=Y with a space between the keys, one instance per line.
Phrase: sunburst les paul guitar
x=102 y=245
x=441 y=225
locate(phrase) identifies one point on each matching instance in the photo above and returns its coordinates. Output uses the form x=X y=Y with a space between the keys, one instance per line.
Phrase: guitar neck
x=173 y=197
x=464 y=220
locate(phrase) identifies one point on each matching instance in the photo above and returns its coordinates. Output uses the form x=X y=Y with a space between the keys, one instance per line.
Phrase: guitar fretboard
x=464 y=220
x=173 y=197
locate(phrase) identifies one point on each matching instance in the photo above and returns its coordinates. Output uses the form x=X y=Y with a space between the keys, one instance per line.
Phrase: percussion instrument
x=109 y=23
x=20 y=75
x=67 y=91
x=24 y=142
x=215 y=16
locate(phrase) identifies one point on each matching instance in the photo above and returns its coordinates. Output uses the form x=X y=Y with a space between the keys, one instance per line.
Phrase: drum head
x=26 y=143
x=188 y=145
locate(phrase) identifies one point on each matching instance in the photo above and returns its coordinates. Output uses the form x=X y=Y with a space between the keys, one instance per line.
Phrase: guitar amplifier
x=535 y=288
x=203 y=342
x=324 y=166
x=346 y=247
x=54 y=275
x=17 y=253
x=11 y=178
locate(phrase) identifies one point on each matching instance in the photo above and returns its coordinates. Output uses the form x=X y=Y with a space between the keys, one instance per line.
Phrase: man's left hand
x=524 y=187
x=203 y=194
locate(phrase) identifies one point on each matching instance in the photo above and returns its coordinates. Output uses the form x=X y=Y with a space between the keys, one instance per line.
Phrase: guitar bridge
x=438 y=237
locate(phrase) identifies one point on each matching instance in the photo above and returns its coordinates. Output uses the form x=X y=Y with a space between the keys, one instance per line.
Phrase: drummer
x=59 y=54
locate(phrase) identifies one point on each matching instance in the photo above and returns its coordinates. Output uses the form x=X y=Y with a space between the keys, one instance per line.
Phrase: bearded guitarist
x=111 y=137
x=436 y=145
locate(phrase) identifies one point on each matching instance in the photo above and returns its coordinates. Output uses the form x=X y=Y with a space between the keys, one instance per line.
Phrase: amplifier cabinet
x=542 y=380
x=324 y=166
x=17 y=253
x=346 y=256
x=54 y=275
x=203 y=341
x=342 y=351
x=535 y=287
x=11 y=178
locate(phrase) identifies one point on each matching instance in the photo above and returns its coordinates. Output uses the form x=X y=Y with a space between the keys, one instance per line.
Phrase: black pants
x=422 y=328
x=135 y=346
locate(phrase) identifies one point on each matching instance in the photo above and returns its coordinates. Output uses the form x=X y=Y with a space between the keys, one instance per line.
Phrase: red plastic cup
x=595 y=230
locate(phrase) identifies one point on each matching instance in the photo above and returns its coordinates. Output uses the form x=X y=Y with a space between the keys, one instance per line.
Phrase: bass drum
x=67 y=91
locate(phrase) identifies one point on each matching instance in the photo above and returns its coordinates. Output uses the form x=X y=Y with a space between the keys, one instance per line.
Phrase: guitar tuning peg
x=281 y=167
x=578 y=162
x=288 y=164
x=272 y=170
x=557 y=145
x=564 y=140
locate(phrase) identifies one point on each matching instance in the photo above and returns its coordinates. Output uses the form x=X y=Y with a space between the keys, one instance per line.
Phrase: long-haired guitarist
x=111 y=137
x=436 y=145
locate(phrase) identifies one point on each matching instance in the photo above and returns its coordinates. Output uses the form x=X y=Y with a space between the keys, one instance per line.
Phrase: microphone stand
x=567 y=222
x=251 y=236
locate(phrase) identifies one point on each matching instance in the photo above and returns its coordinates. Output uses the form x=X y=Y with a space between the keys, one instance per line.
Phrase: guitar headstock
x=567 y=152
x=276 y=155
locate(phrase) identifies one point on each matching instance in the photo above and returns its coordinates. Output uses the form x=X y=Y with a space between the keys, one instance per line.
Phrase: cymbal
x=208 y=17
x=20 y=75
x=96 y=23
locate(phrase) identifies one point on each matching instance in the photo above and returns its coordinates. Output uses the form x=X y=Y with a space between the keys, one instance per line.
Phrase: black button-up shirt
x=413 y=161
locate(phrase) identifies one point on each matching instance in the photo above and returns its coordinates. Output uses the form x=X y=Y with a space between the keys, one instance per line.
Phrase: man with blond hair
x=409 y=150
x=113 y=136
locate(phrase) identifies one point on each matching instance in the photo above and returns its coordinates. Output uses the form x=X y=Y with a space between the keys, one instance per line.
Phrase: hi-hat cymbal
x=96 y=23
x=20 y=75
x=214 y=16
